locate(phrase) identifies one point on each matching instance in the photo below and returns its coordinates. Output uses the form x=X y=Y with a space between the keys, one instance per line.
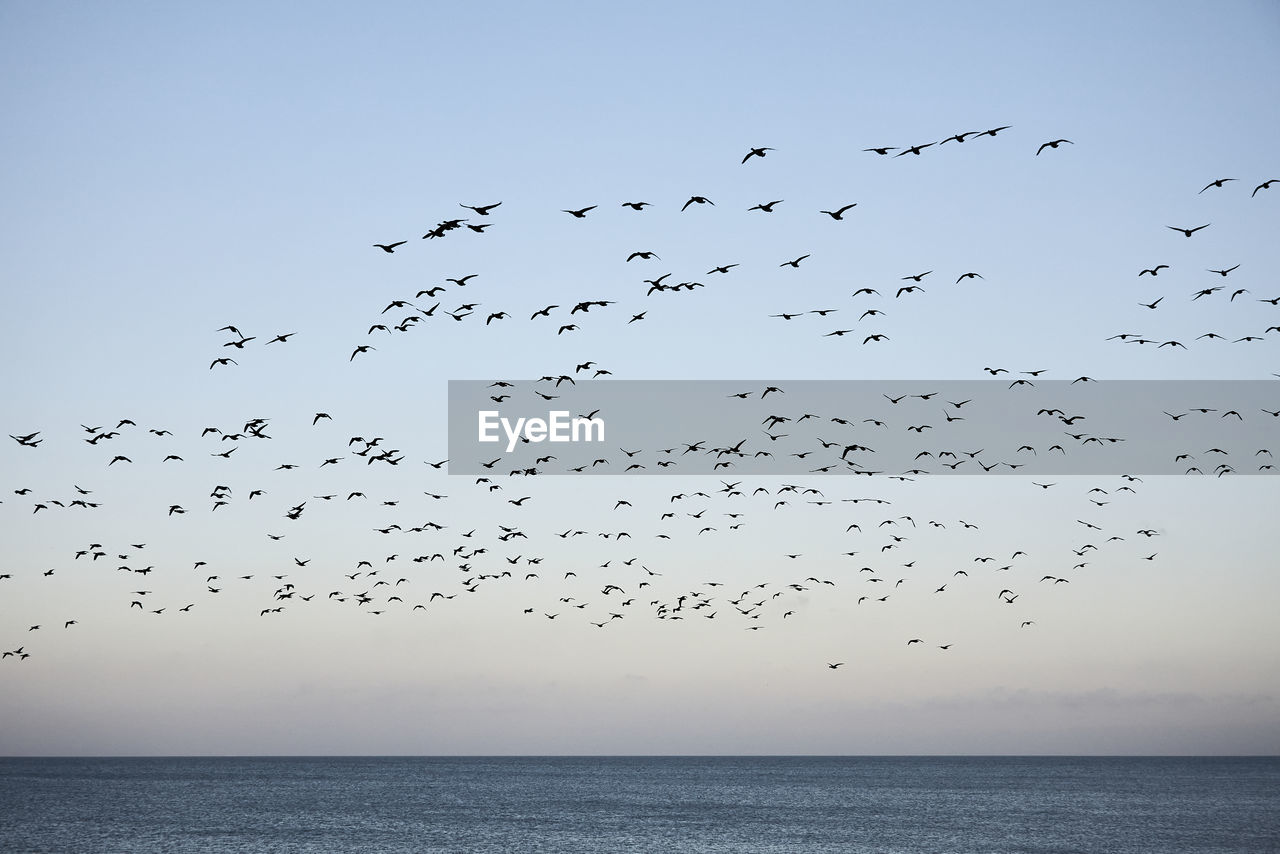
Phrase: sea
x=608 y=805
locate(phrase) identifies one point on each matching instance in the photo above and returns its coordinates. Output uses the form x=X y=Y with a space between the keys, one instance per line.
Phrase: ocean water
x=624 y=804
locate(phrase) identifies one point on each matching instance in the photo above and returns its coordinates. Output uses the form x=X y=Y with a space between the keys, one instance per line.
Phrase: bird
x=1218 y=183
x=481 y=210
x=1052 y=144
x=581 y=213
x=1154 y=271
x=795 y=263
x=1265 y=185
x=698 y=200
x=767 y=207
x=755 y=152
x=839 y=214
x=390 y=248
x=1189 y=231
x=914 y=149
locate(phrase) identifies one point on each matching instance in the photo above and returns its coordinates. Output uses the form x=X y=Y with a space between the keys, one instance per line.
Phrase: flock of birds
x=592 y=576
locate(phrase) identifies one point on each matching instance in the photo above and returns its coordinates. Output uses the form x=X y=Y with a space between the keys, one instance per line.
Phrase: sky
x=171 y=171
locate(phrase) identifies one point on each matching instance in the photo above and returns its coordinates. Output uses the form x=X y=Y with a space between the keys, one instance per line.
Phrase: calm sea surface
x=782 y=804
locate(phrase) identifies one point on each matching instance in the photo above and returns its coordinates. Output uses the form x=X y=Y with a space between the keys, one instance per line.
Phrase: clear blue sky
x=172 y=169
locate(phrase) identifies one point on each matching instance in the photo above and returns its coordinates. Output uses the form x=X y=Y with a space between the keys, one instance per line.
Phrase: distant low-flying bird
x=390 y=248
x=581 y=213
x=481 y=210
x=1153 y=271
x=795 y=263
x=755 y=152
x=698 y=200
x=1189 y=231
x=635 y=206
x=642 y=255
x=1265 y=185
x=767 y=207
x=838 y=214
x=1053 y=144
x=1223 y=273
x=914 y=149
x=1218 y=183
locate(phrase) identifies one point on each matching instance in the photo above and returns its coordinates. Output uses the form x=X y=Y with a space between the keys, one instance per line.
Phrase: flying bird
x=1218 y=183
x=838 y=214
x=1052 y=144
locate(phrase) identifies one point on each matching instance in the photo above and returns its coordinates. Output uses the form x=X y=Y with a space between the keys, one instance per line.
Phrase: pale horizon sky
x=172 y=170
